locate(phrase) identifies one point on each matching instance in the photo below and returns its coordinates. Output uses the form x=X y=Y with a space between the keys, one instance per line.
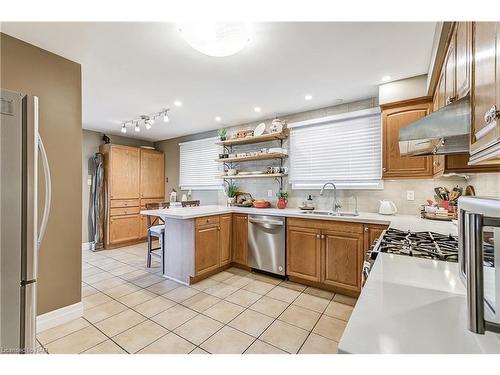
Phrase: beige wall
x=57 y=82
x=90 y=145
x=368 y=200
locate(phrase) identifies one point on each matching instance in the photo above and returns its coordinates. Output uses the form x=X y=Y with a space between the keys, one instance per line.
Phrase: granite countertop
x=412 y=305
x=402 y=222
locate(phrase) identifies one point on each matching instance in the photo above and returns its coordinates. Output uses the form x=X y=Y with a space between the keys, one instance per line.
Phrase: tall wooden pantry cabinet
x=133 y=177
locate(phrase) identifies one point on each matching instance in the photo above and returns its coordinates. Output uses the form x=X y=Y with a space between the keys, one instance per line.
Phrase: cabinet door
x=438 y=162
x=207 y=249
x=304 y=253
x=123 y=228
x=372 y=234
x=485 y=53
x=439 y=97
x=463 y=43
x=226 y=228
x=152 y=174
x=450 y=73
x=395 y=165
x=342 y=259
x=124 y=172
x=240 y=239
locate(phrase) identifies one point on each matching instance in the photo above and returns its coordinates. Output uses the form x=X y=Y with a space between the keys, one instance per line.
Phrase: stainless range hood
x=446 y=131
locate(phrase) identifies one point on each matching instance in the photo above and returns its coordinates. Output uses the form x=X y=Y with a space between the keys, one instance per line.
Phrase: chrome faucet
x=336 y=204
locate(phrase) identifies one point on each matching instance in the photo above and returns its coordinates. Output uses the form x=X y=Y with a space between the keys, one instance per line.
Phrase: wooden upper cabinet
x=439 y=95
x=450 y=72
x=486 y=92
x=240 y=239
x=225 y=237
x=152 y=173
x=395 y=117
x=124 y=169
x=304 y=253
x=463 y=59
x=343 y=259
x=207 y=249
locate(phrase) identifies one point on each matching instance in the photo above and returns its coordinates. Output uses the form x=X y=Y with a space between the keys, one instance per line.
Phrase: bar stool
x=156 y=228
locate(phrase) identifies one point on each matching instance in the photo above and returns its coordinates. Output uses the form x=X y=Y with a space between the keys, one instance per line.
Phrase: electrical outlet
x=269 y=193
x=89 y=180
x=410 y=195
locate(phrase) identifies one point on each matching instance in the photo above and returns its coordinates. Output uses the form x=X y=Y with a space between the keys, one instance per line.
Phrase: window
x=199 y=169
x=345 y=149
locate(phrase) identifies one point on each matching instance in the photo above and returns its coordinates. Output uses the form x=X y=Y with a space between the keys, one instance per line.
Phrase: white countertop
x=412 y=305
x=402 y=222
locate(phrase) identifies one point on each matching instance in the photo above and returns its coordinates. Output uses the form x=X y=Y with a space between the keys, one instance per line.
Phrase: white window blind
x=199 y=169
x=345 y=149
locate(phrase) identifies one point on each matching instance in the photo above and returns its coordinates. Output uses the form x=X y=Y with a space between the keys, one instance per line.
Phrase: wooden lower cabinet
x=329 y=254
x=342 y=259
x=225 y=237
x=123 y=228
x=304 y=253
x=207 y=249
x=240 y=239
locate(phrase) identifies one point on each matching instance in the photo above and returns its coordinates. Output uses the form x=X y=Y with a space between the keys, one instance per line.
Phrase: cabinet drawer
x=124 y=203
x=207 y=220
x=124 y=211
x=339 y=226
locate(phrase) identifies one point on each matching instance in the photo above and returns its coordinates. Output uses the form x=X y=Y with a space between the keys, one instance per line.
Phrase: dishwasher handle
x=266 y=222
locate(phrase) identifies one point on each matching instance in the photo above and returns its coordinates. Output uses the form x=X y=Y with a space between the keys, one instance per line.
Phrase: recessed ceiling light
x=257 y=109
x=178 y=103
x=386 y=78
x=217 y=118
x=308 y=97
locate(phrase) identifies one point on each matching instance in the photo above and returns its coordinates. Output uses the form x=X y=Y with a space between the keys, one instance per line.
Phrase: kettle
x=387 y=208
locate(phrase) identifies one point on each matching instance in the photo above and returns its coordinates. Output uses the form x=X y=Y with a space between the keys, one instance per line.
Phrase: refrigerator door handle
x=48 y=191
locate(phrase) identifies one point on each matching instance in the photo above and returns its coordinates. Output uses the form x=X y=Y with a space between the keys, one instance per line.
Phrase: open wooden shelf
x=263 y=175
x=257 y=157
x=256 y=139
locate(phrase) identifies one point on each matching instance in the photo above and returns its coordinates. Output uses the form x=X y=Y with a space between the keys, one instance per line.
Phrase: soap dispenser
x=310 y=203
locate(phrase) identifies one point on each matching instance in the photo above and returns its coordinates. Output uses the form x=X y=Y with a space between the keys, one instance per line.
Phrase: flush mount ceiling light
x=257 y=109
x=218 y=39
x=217 y=118
x=178 y=103
x=386 y=78
x=308 y=97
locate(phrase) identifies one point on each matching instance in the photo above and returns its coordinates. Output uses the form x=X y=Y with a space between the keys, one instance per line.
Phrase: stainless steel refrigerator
x=21 y=230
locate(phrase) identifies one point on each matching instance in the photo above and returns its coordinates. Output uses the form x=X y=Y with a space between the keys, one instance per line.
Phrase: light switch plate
x=269 y=193
x=89 y=180
x=410 y=195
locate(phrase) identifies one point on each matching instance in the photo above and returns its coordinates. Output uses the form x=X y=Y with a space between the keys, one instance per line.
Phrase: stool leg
x=162 y=245
x=148 y=262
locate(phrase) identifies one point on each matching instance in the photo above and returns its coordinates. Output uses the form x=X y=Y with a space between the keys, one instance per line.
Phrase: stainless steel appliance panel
x=11 y=229
x=267 y=243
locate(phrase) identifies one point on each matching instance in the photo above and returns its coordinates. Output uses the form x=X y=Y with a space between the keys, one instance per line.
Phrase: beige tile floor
x=129 y=308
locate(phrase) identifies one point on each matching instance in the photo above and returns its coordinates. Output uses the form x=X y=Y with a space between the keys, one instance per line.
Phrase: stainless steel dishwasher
x=266 y=243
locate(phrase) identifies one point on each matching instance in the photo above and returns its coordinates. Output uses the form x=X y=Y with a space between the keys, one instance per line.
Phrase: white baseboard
x=86 y=246
x=176 y=280
x=59 y=316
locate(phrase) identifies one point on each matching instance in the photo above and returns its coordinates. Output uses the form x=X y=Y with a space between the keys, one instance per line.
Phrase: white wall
x=409 y=88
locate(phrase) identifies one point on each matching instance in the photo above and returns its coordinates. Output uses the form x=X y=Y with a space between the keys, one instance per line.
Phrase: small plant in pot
x=222 y=132
x=282 y=199
x=232 y=191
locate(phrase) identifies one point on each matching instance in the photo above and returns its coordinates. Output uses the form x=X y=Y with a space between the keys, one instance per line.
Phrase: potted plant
x=222 y=132
x=232 y=191
x=282 y=199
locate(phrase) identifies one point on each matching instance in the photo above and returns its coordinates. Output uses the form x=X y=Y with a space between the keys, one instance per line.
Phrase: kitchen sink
x=331 y=213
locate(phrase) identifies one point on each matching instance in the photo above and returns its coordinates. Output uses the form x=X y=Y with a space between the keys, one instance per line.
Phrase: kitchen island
x=182 y=225
x=411 y=305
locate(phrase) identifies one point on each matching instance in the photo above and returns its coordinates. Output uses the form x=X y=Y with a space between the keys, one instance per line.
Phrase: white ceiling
x=129 y=69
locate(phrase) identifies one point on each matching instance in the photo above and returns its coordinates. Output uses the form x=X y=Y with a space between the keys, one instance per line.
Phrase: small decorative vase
x=231 y=200
x=282 y=202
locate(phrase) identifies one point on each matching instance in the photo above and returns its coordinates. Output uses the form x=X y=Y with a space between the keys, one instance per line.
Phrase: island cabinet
x=213 y=235
x=133 y=178
x=240 y=239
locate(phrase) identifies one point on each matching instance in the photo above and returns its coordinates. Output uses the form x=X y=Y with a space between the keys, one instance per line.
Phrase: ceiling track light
x=147 y=120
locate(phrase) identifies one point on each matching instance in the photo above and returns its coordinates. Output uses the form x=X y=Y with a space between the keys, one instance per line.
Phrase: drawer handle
x=491 y=115
x=318 y=236
x=322 y=236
